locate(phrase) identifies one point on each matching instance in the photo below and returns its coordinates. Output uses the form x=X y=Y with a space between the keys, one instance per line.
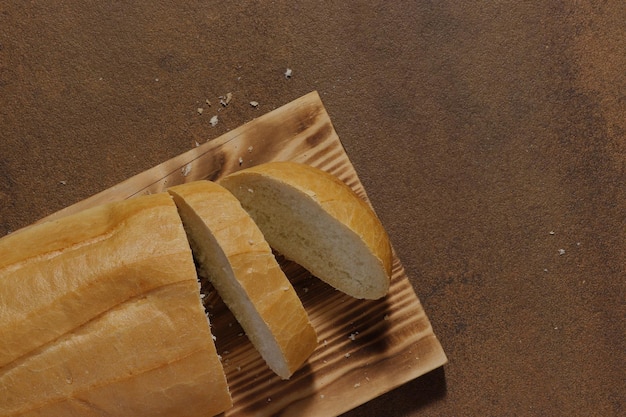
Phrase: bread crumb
x=353 y=336
x=358 y=384
x=552 y=232
x=200 y=110
x=561 y=251
x=214 y=337
x=225 y=100
x=197 y=144
x=347 y=355
x=240 y=161
x=254 y=104
x=250 y=190
x=250 y=242
x=208 y=102
x=186 y=169
x=250 y=149
x=63 y=182
x=288 y=73
x=213 y=120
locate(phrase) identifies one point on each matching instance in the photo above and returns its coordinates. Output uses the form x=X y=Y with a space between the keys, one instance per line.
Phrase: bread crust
x=100 y=315
x=259 y=276
x=333 y=197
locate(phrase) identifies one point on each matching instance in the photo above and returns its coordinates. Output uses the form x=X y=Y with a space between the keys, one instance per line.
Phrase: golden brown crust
x=100 y=315
x=332 y=195
x=252 y=263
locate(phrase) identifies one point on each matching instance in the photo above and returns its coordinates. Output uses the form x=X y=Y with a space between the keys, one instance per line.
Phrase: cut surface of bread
x=317 y=221
x=100 y=315
x=235 y=257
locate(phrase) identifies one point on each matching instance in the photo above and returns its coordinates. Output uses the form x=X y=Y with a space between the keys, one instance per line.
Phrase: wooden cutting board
x=366 y=347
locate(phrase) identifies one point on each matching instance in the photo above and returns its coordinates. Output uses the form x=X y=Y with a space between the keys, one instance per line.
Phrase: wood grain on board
x=366 y=347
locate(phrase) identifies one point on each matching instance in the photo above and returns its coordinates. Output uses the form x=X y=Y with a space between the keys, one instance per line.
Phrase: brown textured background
x=488 y=136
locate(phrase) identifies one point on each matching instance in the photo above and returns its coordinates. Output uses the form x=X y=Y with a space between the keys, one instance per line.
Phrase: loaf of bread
x=316 y=220
x=233 y=254
x=100 y=315
x=100 y=311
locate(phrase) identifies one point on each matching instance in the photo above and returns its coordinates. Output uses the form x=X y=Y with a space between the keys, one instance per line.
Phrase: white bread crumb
x=225 y=100
x=186 y=169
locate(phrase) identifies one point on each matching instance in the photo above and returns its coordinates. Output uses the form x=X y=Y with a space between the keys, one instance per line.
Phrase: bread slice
x=235 y=257
x=100 y=314
x=316 y=220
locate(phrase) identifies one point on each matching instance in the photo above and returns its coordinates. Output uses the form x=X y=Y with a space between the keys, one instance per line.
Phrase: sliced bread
x=316 y=220
x=233 y=254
